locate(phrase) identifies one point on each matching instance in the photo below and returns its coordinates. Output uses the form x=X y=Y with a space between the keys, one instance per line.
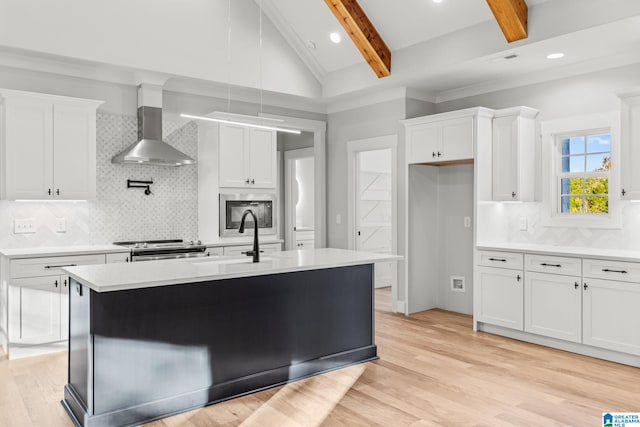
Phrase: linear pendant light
x=235 y=122
x=237 y=119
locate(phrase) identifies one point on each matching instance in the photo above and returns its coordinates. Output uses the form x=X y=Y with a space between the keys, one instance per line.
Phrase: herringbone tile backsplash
x=117 y=213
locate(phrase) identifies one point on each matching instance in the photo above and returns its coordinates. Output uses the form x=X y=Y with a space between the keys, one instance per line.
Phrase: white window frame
x=551 y=171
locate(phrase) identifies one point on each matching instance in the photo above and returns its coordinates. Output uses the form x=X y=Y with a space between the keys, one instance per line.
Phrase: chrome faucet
x=256 y=250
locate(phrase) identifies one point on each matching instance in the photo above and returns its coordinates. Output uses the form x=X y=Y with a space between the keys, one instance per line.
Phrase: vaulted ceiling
x=440 y=51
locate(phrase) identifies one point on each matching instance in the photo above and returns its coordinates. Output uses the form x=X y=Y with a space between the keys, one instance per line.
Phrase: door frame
x=319 y=130
x=289 y=207
x=370 y=144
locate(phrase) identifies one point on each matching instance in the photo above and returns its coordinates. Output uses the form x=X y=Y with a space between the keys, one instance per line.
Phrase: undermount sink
x=225 y=260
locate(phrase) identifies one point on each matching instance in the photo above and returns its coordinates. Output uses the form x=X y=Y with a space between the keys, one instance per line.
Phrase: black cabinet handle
x=518 y=277
x=64 y=283
x=551 y=265
x=576 y=285
x=586 y=286
x=56 y=283
x=623 y=192
x=248 y=180
x=513 y=194
x=498 y=259
x=59 y=266
x=49 y=191
x=439 y=154
x=253 y=181
x=606 y=270
x=57 y=191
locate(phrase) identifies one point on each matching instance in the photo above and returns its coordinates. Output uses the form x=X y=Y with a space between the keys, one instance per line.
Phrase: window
x=581 y=171
x=584 y=176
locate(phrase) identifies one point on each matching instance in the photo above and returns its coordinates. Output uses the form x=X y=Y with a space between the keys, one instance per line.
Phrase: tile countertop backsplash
x=500 y=226
x=117 y=213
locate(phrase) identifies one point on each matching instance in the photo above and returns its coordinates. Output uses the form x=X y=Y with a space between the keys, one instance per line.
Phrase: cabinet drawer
x=553 y=264
x=501 y=259
x=117 y=257
x=612 y=270
x=305 y=235
x=305 y=244
x=215 y=251
x=50 y=266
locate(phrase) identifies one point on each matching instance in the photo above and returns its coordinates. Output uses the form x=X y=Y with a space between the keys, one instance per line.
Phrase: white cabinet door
x=457 y=139
x=39 y=310
x=117 y=257
x=74 y=162
x=231 y=160
x=501 y=297
x=262 y=162
x=424 y=142
x=630 y=149
x=505 y=158
x=553 y=306
x=28 y=148
x=513 y=153
x=611 y=318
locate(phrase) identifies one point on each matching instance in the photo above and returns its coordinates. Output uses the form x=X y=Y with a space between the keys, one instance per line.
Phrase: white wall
x=172 y=37
x=586 y=94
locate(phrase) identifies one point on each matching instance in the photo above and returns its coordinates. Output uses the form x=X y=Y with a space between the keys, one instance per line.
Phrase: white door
x=501 y=297
x=299 y=198
x=611 y=318
x=553 y=306
x=373 y=209
x=261 y=160
x=29 y=145
x=231 y=161
x=74 y=162
x=39 y=309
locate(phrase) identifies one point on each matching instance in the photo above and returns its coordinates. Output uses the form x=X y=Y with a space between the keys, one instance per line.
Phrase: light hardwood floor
x=433 y=370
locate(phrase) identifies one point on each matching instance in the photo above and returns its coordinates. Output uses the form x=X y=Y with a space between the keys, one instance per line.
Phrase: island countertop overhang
x=138 y=275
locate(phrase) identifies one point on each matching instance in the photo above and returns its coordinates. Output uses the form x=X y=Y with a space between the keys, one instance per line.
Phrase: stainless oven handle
x=135 y=258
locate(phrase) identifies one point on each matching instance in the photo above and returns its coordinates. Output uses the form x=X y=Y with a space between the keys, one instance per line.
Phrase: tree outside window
x=585 y=172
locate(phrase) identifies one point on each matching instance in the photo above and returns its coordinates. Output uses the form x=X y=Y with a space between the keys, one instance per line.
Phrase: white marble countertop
x=136 y=275
x=599 y=253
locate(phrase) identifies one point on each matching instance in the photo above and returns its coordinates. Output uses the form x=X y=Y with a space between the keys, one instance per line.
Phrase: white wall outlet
x=24 y=226
x=522 y=221
x=467 y=222
x=61 y=225
x=338 y=219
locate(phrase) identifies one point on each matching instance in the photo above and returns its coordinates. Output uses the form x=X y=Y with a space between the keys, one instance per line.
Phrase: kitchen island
x=151 y=339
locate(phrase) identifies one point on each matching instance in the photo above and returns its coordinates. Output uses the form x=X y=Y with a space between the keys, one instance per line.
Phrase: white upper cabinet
x=247 y=157
x=630 y=147
x=513 y=154
x=436 y=140
x=49 y=144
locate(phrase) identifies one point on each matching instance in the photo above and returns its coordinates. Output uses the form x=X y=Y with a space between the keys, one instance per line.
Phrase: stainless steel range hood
x=150 y=149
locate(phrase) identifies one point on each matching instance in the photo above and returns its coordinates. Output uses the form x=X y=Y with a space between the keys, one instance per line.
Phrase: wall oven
x=232 y=206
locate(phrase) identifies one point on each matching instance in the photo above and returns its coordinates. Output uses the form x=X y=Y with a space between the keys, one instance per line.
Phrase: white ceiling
x=439 y=51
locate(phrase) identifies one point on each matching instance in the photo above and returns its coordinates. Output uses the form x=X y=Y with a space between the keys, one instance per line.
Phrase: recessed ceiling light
x=437 y=1
x=335 y=37
x=557 y=55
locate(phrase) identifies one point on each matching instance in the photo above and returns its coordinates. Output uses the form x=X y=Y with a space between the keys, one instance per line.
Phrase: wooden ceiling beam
x=512 y=17
x=363 y=34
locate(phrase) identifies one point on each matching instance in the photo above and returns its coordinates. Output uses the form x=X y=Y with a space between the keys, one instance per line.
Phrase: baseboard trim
x=586 y=350
x=217 y=393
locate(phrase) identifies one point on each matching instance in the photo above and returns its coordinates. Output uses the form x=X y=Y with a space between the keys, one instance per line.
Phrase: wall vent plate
x=457 y=284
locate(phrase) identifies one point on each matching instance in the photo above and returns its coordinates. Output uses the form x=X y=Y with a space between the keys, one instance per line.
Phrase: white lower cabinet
x=611 y=315
x=39 y=310
x=553 y=305
x=501 y=297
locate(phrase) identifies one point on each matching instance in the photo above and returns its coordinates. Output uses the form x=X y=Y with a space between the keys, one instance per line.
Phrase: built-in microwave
x=233 y=206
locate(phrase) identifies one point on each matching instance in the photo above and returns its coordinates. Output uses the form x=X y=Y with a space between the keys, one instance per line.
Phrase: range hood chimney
x=150 y=149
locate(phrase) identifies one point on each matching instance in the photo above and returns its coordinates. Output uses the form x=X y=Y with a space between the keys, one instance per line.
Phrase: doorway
x=299 y=178
x=373 y=203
